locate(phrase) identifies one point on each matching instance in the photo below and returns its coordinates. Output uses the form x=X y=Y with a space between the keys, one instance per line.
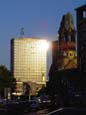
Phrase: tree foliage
x=5 y=77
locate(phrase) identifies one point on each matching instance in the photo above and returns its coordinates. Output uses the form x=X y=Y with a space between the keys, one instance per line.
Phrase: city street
x=41 y=112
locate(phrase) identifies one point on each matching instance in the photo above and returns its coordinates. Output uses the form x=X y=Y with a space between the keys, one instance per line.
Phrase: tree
x=5 y=78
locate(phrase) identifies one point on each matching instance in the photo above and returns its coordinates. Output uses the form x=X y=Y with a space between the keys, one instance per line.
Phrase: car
x=69 y=111
x=34 y=105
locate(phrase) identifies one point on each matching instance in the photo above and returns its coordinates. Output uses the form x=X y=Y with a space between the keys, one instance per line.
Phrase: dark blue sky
x=40 y=18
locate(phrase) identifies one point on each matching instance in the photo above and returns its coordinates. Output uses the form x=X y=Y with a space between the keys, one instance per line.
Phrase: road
x=41 y=112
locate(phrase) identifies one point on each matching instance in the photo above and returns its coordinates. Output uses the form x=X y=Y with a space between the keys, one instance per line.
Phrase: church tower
x=67 y=43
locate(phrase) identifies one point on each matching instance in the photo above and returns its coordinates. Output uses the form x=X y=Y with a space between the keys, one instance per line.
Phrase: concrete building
x=55 y=58
x=29 y=62
x=55 y=52
x=81 y=37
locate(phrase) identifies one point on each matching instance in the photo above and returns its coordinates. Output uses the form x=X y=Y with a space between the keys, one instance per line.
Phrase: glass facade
x=29 y=60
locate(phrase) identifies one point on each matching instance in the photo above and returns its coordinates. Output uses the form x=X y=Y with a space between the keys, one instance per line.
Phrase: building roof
x=83 y=7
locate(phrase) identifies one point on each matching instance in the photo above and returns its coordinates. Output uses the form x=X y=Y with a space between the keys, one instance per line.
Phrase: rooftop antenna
x=22 y=32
